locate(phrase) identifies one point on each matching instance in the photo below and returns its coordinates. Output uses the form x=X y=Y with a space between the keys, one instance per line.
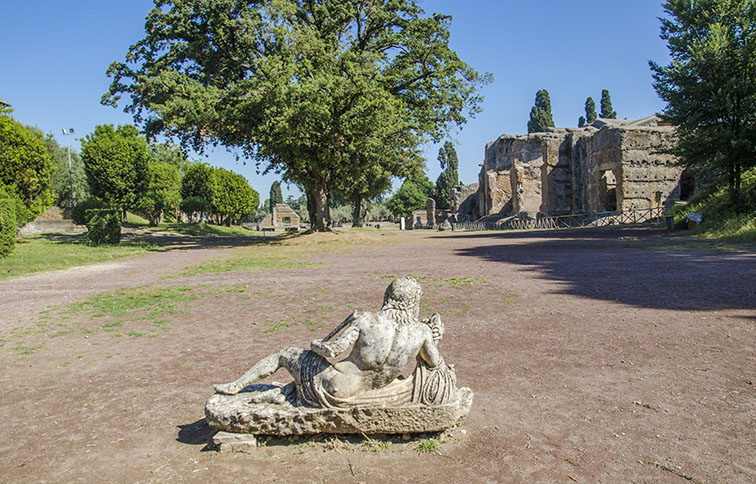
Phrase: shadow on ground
x=638 y=266
x=197 y=433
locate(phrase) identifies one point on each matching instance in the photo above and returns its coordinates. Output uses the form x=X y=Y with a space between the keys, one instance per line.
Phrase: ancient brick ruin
x=610 y=165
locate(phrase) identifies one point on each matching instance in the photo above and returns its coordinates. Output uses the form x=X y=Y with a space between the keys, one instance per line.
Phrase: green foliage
x=79 y=212
x=60 y=182
x=581 y=122
x=172 y=154
x=163 y=192
x=103 y=226
x=428 y=446
x=319 y=91
x=276 y=196
x=195 y=205
x=412 y=195
x=606 y=106
x=8 y=228
x=449 y=177
x=590 y=111
x=233 y=198
x=540 y=114
x=710 y=85
x=25 y=168
x=198 y=182
x=723 y=216
x=116 y=162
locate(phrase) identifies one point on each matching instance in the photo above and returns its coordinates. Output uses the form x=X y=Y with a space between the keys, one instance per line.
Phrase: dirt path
x=595 y=356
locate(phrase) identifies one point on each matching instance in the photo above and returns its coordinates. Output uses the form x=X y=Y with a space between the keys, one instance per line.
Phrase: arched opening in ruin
x=608 y=191
x=687 y=183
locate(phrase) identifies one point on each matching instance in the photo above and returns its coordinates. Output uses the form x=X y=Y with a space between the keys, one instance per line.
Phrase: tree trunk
x=357 y=211
x=318 y=199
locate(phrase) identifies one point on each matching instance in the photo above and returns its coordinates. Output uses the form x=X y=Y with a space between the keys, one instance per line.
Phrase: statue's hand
x=437 y=327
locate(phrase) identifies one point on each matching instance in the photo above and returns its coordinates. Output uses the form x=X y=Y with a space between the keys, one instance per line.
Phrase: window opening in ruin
x=608 y=191
x=286 y=220
x=687 y=183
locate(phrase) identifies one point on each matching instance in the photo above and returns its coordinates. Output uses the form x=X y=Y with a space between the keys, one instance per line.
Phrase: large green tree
x=412 y=195
x=163 y=191
x=449 y=177
x=63 y=179
x=606 y=106
x=540 y=113
x=116 y=162
x=710 y=85
x=308 y=88
x=233 y=198
x=25 y=168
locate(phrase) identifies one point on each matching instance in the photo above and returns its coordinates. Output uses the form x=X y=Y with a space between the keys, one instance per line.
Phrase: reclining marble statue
x=364 y=392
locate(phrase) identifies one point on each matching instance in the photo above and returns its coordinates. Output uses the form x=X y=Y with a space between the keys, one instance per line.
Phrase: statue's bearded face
x=403 y=294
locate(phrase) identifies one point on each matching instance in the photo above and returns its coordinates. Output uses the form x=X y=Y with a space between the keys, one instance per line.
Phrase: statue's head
x=403 y=294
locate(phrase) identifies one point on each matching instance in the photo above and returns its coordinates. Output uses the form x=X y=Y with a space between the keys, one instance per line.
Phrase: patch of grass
x=36 y=254
x=375 y=446
x=122 y=302
x=464 y=281
x=276 y=327
x=723 y=217
x=427 y=446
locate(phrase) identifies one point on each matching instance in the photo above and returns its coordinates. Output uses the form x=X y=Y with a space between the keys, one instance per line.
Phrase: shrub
x=8 y=227
x=79 y=212
x=103 y=226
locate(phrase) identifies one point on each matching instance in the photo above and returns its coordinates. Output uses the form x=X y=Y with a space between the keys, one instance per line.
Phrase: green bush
x=8 y=227
x=79 y=212
x=103 y=226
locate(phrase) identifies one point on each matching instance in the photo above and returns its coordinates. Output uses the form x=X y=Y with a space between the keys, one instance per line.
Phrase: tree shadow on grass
x=636 y=266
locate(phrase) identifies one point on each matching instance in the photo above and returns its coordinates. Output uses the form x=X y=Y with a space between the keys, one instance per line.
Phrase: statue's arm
x=333 y=348
x=429 y=352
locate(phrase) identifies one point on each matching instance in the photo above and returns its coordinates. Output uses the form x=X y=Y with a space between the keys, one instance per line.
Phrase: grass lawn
x=35 y=254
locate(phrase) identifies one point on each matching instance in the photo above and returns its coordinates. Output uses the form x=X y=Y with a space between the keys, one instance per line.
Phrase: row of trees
x=541 y=118
x=335 y=96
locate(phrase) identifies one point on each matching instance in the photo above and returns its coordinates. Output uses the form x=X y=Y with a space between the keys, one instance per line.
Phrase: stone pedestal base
x=236 y=414
x=231 y=442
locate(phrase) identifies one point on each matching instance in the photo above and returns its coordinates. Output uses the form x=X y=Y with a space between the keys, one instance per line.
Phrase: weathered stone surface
x=611 y=165
x=234 y=442
x=235 y=413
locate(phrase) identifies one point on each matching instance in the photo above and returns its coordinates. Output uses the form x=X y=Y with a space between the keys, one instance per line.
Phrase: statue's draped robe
x=426 y=386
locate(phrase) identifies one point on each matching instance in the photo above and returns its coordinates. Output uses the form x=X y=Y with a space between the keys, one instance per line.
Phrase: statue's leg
x=286 y=358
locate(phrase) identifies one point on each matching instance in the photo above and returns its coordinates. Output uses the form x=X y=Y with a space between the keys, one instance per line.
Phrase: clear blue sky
x=53 y=57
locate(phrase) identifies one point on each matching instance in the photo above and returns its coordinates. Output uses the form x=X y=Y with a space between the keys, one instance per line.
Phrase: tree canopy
x=710 y=85
x=449 y=177
x=540 y=113
x=316 y=90
x=116 y=162
x=606 y=106
x=25 y=168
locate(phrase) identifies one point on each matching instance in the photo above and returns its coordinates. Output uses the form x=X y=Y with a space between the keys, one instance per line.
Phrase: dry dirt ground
x=595 y=355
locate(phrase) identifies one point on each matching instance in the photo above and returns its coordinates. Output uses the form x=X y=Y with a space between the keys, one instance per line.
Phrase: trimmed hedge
x=103 y=226
x=79 y=212
x=8 y=227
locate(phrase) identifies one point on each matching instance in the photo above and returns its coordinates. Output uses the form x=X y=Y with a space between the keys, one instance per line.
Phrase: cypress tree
x=275 y=194
x=590 y=111
x=581 y=122
x=540 y=114
x=606 y=106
